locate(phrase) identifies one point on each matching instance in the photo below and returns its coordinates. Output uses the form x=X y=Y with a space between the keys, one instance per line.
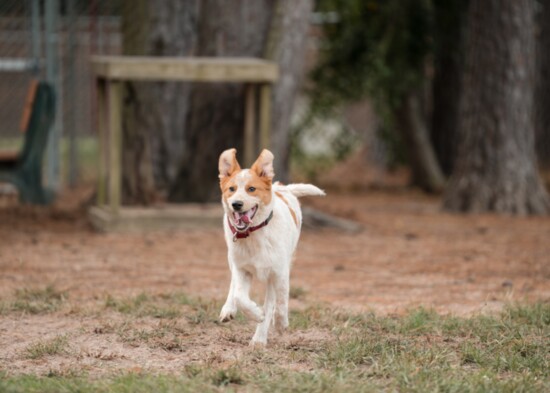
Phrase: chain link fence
x=54 y=40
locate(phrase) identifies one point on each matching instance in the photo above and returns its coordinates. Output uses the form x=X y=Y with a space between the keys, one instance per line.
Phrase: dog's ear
x=228 y=163
x=264 y=165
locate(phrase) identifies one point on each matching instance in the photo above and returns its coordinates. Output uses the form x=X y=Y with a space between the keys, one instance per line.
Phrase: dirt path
x=408 y=254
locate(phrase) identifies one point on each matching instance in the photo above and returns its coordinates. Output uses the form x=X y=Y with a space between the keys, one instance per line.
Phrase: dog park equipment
x=111 y=72
x=25 y=169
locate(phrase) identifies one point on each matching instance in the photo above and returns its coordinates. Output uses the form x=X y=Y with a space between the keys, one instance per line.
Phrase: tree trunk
x=287 y=45
x=154 y=113
x=496 y=166
x=215 y=121
x=138 y=186
x=426 y=172
x=542 y=94
x=450 y=16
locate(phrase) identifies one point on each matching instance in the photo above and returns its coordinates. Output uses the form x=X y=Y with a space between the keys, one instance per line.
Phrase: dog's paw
x=258 y=314
x=255 y=313
x=257 y=343
x=281 y=323
x=227 y=313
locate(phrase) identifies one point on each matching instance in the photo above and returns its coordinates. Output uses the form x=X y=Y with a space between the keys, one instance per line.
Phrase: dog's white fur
x=268 y=252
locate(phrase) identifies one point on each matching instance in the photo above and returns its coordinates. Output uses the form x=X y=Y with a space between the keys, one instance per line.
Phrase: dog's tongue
x=243 y=217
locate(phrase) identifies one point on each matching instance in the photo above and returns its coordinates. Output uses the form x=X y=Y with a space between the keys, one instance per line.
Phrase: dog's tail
x=301 y=190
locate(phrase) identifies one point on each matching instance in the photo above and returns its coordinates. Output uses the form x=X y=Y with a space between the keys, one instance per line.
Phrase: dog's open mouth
x=243 y=219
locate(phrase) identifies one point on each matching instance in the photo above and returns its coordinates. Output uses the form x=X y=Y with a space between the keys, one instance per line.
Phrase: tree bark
x=449 y=19
x=426 y=172
x=542 y=93
x=154 y=113
x=138 y=186
x=215 y=121
x=286 y=45
x=496 y=166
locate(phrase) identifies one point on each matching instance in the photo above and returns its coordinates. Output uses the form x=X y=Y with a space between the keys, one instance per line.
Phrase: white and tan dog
x=262 y=225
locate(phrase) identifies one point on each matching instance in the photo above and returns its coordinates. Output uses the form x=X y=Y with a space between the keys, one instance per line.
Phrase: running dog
x=262 y=225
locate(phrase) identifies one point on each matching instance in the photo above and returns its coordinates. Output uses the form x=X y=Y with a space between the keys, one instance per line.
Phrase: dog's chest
x=257 y=258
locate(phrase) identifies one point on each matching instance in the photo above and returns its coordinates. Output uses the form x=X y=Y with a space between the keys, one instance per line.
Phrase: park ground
x=418 y=296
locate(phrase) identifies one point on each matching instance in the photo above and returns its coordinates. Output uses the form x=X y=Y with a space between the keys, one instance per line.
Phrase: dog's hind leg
x=262 y=330
x=282 y=288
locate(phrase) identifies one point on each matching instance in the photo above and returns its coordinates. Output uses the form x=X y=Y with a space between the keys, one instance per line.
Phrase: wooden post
x=265 y=115
x=115 y=144
x=249 y=124
x=102 y=128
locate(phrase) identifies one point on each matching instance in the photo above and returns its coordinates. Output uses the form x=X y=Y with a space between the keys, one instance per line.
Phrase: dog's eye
x=251 y=189
x=232 y=189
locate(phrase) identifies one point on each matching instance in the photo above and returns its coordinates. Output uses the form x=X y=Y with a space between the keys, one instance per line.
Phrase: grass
x=40 y=349
x=34 y=301
x=421 y=351
x=297 y=293
x=167 y=306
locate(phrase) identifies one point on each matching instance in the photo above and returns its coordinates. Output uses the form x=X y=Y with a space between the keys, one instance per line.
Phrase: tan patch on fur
x=262 y=186
x=226 y=182
x=229 y=167
x=292 y=212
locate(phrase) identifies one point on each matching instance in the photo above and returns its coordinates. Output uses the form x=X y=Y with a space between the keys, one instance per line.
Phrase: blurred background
x=443 y=96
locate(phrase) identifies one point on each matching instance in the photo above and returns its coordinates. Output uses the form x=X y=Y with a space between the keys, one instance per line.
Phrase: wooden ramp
x=159 y=218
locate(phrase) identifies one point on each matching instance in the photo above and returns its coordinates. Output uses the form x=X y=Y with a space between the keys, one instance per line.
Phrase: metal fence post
x=36 y=48
x=72 y=106
x=52 y=76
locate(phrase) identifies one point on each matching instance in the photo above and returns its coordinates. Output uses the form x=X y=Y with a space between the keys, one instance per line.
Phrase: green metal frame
x=26 y=172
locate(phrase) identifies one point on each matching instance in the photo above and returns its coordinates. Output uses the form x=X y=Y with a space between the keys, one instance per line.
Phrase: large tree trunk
x=138 y=186
x=426 y=172
x=542 y=94
x=154 y=113
x=215 y=121
x=496 y=166
x=287 y=45
x=450 y=16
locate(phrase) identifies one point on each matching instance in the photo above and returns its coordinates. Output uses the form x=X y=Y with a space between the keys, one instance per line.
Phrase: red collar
x=243 y=235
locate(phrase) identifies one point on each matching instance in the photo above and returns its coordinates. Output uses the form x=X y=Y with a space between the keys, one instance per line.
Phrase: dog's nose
x=237 y=205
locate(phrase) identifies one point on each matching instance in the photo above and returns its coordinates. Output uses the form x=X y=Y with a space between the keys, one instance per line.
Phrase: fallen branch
x=315 y=219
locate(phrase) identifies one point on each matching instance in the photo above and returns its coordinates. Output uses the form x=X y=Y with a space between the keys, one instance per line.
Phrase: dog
x=262 y=224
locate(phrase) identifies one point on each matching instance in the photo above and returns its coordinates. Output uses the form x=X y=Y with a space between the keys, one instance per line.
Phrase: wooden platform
x=162 y=218
x=193 y=69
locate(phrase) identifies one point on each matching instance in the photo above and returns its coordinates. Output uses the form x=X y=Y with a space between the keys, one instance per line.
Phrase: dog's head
x=246 y=193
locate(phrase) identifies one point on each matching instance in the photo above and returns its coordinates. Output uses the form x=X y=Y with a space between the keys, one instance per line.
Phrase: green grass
x=421 y=351
x=40 y=349
x=297 y=293
x=167 y=306
x=34 y=301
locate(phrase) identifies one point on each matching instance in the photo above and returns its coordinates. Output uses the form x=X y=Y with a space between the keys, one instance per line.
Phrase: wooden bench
x=24 y=169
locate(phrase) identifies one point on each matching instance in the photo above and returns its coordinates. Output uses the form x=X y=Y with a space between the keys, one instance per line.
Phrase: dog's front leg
x=242 y=296
x=229 y=309
x=260 y=336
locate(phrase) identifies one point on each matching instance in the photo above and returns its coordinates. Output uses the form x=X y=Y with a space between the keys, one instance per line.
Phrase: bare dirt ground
x=408 y=254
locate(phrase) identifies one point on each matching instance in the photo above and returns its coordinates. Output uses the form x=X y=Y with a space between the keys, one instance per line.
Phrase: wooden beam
x=265 y=115
x=195 y=69
x=115 y=144
x=249 y=124
x=102 y=132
